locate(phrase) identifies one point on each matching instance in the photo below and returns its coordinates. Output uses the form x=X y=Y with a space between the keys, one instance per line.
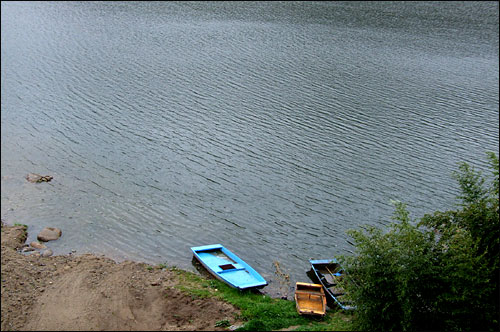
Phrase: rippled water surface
x=270 y=127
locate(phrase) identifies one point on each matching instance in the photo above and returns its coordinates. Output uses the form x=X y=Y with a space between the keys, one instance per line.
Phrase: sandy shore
x=88 y=292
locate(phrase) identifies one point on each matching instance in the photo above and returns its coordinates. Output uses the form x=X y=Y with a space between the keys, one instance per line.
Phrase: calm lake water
x=269 y=127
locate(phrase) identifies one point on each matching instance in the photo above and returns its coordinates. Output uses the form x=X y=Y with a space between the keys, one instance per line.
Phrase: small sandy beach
x=88 y=292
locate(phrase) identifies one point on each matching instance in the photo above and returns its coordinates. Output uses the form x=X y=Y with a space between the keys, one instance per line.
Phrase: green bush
x=468 y=244
x=441 y=274
x=394 y=275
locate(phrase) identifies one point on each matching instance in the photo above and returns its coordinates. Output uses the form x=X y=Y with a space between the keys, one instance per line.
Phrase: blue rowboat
x=227 y=267
x=329 y=273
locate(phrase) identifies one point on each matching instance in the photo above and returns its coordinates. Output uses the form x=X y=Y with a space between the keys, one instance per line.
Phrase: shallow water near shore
x=269 y=127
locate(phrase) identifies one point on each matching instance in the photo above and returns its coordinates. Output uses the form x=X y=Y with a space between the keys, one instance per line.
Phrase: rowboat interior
x=222 y=264
x=310 y=299
x=330 y=275
x=219 y=261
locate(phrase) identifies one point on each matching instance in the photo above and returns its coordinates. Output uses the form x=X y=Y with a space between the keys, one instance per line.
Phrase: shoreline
x=88 y=292
x=279 y=285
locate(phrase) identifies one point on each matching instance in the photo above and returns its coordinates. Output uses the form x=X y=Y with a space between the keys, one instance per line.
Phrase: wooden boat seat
x=227 y=267
x=230 y=268
x=317 y=297
x=311 y=292
x=223 y=271
x=310 y=301
x=326 y=282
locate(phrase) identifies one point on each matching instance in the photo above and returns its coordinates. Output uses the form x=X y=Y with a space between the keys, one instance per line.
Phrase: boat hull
x=227 y=267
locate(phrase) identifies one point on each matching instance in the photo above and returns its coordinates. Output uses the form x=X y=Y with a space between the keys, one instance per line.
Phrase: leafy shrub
x=469 y=248
x=441 y=274
x=394 y=274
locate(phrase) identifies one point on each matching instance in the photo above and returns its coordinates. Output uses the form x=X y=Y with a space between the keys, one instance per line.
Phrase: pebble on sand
x=38 y=245
x=47 y=253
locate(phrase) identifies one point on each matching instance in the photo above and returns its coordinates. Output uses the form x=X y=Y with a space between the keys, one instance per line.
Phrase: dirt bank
x=88 y=292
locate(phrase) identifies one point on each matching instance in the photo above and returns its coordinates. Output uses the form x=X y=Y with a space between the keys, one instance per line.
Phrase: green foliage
x=441 y=274
x=260 y=312
x=25 y=230
x=471 y=183
x=494 y=165
x=222 y=323
x=333 y=321
x=394 y=275
x=470 y=252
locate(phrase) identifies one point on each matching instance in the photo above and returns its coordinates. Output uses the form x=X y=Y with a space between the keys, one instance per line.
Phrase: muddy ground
x=88 y=292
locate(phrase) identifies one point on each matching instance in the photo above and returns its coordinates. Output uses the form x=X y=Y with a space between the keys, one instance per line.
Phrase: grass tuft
x=222 y=323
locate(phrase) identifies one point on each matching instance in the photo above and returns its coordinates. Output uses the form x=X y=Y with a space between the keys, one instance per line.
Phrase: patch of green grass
x=222 y=323
x=25 y=230
x=261 y=312
x=195 y=285
x=335 y=320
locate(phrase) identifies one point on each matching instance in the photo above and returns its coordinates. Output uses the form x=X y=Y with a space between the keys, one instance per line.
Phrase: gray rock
x=37 y=178
x=49 y=234
x=47 y=253
x=38 y=245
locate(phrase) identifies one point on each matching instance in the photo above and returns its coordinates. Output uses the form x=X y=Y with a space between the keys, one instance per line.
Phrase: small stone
x=26 y=249
x=47 y=253
x=38 y=245
x=49 y=234
x=32 y=177
x=37 y=178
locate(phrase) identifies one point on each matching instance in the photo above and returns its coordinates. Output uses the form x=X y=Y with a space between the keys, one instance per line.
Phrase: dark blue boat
x=228 y=267
x=329 y=272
